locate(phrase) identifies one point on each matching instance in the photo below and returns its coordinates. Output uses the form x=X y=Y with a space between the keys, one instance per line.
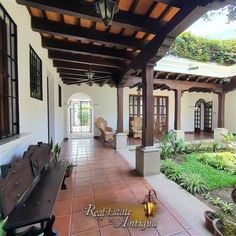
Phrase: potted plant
x=69 y=169
x=224 y=227
x=209 y=217
x=56 y=153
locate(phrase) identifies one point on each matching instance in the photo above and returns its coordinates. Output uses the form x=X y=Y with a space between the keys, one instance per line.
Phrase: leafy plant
x=193 y=183
x=171 y=145
x=227 y=207
x=222 y=161
x=71 y=165
x=56 y=152
x=166 y=151
x=228 y=139
x=217 y=146
x=171 y=170
x=197 y=48
x=229 y=229
x=216 y=201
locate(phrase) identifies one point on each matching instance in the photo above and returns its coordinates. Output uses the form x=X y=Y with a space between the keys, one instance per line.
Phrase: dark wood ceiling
x=76 y=38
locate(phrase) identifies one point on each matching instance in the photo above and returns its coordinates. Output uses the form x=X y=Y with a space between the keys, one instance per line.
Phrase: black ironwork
x=36 y=81
x=207 y=115
x=9 y=108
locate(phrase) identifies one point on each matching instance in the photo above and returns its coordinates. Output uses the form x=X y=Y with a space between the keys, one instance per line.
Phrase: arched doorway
x=203 y=116
x=80 y=116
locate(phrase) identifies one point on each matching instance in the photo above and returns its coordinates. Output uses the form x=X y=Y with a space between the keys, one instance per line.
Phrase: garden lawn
x=212 y=177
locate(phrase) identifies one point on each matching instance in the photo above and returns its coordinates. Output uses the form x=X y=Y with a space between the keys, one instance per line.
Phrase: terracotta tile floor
x=102 y=177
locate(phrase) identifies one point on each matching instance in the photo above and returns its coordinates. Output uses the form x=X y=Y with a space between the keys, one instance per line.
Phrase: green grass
x=1 y=230
x=212 y=177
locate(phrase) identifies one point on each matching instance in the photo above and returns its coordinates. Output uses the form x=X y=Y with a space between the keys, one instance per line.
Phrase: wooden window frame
x=59 y=96
x=139 y=108
x=9 y=107
x=36 y=78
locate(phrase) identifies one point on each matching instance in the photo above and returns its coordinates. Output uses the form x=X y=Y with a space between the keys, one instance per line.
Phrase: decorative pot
x=209 y=220
x=218 y=229
x=69 y=171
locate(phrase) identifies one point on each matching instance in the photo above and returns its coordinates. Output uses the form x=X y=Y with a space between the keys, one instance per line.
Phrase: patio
x=104 y=178
x=73 y=56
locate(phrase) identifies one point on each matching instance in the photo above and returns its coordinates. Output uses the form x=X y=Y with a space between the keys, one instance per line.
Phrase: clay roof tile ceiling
x=140 y=33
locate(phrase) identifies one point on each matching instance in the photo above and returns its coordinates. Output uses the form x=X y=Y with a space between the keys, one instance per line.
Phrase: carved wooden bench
x=29 y=191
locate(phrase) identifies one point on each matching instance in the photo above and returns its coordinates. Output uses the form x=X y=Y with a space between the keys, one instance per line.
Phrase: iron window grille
x=9 y=108
x=36 y=83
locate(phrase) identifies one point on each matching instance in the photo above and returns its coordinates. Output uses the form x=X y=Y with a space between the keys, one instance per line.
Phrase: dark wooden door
x=197 y=119
x=208 y=118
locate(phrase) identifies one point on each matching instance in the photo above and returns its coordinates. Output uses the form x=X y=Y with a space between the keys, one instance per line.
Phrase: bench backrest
x=21 y=176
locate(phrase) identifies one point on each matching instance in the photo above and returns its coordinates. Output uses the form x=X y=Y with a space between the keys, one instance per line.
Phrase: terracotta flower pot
x=69 y=171
x=209 y=217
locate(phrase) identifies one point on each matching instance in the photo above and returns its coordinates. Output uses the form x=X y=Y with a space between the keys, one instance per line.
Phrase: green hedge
x=197 y=48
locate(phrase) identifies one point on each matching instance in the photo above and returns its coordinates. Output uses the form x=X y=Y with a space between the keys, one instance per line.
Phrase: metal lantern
x=150 y=203
x=106 y=9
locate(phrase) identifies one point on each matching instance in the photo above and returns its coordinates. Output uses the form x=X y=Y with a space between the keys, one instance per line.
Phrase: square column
x=147 y=97
x=120 y=141
x=147 y=156
x=178 y=95
x=177 y=125
x=221 y=110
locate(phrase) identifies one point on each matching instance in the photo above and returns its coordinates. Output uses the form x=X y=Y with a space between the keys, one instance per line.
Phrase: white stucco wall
x=230 y=111
x=104 y=103
x=33 y=113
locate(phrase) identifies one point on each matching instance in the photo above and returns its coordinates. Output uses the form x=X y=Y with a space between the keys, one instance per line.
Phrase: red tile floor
x=102 y=177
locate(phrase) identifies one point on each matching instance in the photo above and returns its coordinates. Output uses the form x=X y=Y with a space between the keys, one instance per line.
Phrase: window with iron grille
x=36 y=84
x=59 y=96
x=9 y=112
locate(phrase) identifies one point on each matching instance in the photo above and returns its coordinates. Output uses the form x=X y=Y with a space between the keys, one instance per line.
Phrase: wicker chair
x=106 y=132
x=136 y=127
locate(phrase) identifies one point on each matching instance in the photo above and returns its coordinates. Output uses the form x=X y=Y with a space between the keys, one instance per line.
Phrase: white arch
x=79 y=96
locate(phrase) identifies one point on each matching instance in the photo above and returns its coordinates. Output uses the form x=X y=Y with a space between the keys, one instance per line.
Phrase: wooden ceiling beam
x=85 y=59
x=176 y=84
x=83 y=67
x=87 y=49
x=77 y=9
x=173 y=3
x=77 y=32
x=148 y=54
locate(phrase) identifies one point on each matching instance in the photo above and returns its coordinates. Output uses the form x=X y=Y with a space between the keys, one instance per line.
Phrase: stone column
x=120 y=136
x=221 y=119
x=177 y=124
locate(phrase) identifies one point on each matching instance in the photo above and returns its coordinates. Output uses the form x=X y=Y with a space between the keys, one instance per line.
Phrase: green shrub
x=167 y=151
x=227 y=207
x=222 y=161
x=193 y=183
x=171 y=170
x=171 y=145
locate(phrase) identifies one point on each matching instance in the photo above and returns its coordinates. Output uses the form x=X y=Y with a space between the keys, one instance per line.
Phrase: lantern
x=150 y=203
x=106 y=9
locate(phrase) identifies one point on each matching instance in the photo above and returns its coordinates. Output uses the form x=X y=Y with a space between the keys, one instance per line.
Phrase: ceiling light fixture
x=106 y=9
x=90 y=74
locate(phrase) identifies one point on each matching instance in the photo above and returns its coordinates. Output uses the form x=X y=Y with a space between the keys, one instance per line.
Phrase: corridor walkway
x=102 y=177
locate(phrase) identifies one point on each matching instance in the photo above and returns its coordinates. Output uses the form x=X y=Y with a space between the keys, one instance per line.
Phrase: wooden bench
x=29 y=191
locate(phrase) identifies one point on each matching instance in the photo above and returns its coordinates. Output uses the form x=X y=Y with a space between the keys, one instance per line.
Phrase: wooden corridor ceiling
x=76 y=38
